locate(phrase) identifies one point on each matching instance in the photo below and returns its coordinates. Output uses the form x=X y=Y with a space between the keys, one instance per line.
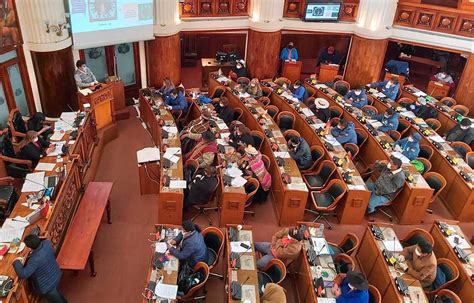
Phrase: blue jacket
x=299 y=93
x=410 y=149
x=357 y=101
x=302 y=155
x=391 y=92
x=284 y=54
x=166 y=91
x=390 y=123
x=352 y=296
x=193 y=248
x=41 y=268
x=178 y=103
x=347 y=135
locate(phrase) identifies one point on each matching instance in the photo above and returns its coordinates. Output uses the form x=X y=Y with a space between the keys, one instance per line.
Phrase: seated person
x=193 y=131
x=461 y=132
x=321 y=109
x=37 y=123
x=201 y=187
x=357 y=97
x=298 y=90
x=34 y=148
x=422 y=110
x=391 y=179
x=300 y=152
x=420 y=262
x=344 y=132
x=225 y=112
x=193 y=249
x=273 y=293
x=286 y=246
x=444 y=77
x=176 y=100
x=352 y=289
x=389 y=120
x=254 y=89
x=238 y=70
x=252 y=165
x=329 y=56
x=389 y=88
x=289 y=53
x=205 y=150
x=409 y=146
x=167 y=87
x=241 y=137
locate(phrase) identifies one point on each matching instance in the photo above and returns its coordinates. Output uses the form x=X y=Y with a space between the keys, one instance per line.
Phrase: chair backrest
x=425 y=151
x=258 y=138
x=446 y=293
x=17 y=125
x=218 y=92
x=405 y=102
x=317 y=154
x=327 y=169
x=395 y=135
x=426 y=164
x=416 y=236
x=311 y=92
x=272 y=110
x=282 y=80
x=6 y=145
x=433 y=123
x=403 y=126
x=370 y=110
x=266 y=162
x=461 y=109
x=461 y=148
x=470 y=159
x=251 y=188
x=204 y=269
x=450 y=270
x=334 y=121
x=214 y=239
x=448 y=101
x=336 y=188
x=344 y=263
x=266 y=91
x=342 y=87
x=276 y=270
x=291 y=133
x=350 y=243
x=286 y=120
x=264 y=100
x=374 y=295
x=353 y=148
x=436 y=182
x=361 y=136
x=335 y=111
x=243 y=80
x=237 y=113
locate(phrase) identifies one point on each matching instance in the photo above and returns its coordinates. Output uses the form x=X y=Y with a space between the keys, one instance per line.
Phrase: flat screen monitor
x=322 y=11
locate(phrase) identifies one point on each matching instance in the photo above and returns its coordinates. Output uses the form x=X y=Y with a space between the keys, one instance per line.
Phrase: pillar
x=263 y=50
x=465 y=89
x=163 y=59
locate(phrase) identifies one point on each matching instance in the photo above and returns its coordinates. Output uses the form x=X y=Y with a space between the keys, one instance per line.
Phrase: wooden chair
x=344 y=263
x=403 y=126
x=336 y=111
x=243 y=81
x=405 y=102
x=470 y=159
x=317 y=180
x=214 y=239
x=451 y=272
x=317 y=154
x=11 y=166
x=258 y=138
x=217 y=92
x=394 y=135
x=384 y=209
x=416 y=236
x=212 y=204
x=446 y=293
x=190 y=296
x=352 y=148
x=8 y=197
x=374 y=295
x=370 y=110
x=274 y=272
x=291 y=133
x=237 y=113
x=17 y=125
x=426 y=164
x=326 y=200
x=282 y=80
x=349 y=245
x=437 y=182
x=461 y=109
x=309 y=102
x=448 y=101
x=266 y=162
x=434 y=124
x=264 y=100
x=286 y=120
x=461 y=148
x=426 y=152
x=266 y=91
x=342 y=87
x=334 y=121
x=362 y=136
x=272 y=110
x=251 y=188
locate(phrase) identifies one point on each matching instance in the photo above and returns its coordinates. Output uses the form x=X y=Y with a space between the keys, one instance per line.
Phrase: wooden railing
x=435 y=18
x=295 y=9
x=86 y=141
x=214 y=8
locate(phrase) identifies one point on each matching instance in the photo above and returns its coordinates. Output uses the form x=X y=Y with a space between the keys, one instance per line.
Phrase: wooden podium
x=328 y=72
x=401 y=79
x=437 y=89
x=291 y=70
x=102 y=104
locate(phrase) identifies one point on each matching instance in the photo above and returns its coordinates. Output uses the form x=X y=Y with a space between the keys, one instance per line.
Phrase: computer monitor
x=322 y=11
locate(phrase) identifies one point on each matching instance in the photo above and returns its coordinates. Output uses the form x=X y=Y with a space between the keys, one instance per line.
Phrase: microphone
x=236 y=260
x=321 y=249
x=37 y=183
x=243 y=283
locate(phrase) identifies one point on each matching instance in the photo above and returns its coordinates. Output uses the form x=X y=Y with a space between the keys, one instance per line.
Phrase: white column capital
x=375 y=18
x=267 y=15
x=167 y=21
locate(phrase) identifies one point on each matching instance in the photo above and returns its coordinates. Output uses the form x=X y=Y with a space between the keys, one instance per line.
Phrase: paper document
x=320 y=246
x=307 y=112
x=148 y=154
x=9 y=234
x=45 y=166
x=173 y=150
x=318 y=86
x=85 y=91
x=376 y=124
x=166 y=291
x=223 y=78
x=68 y=116
x=237 y=248
x=58 y=149
x=161 y=247
x=420 y=94
x=400 y=156
x=437 y=139
x=15 y=223
x=408 y=114
x=461 y=242
x=222 y=126
x=233 y=171
x=57 y=136
x=326 y=300
x=170 y=129
x=392 y=245
x=63 y=126
x=177 y=183
x=282 y=154
x=238 y=181
x=171 y=157
x=33 y=182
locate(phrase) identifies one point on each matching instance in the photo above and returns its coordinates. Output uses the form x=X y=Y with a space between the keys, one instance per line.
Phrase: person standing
x=83 y=76
x=289 y=53
x=41 y=269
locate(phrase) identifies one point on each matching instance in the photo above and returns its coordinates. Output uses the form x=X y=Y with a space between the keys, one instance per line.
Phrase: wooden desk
x=328 y=72
x=412 y=202
x=291 y=70
x=438 y=89
x=458 y=195
x=351 y=209
x=102 y=103
x=289 y=199
x=210 y=65
x=170 y=200
x=149 y=175
x=382 y=275
x=401 y=79
x=463 y=286
x=247 y=273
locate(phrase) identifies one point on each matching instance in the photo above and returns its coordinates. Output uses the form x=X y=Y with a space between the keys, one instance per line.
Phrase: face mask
x=464 y=127
x=340 y=127
x=417 y=252
x=239 y=66
x=386 y=117
x=389 y=166
x=296 y=87
x=221 y=105
x=357 y=92
x=290 y=46
x=442 y=76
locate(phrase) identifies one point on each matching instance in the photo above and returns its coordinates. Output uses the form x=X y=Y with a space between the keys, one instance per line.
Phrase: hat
x=251 y=150
x=321 y=103
x=206 y=115
x=422 y=100
x=357 y=280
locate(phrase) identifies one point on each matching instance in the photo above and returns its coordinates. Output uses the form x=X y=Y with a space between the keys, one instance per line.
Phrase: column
x=163 y=59
x=263 y=49
x=267 y=15
x=375 y=18
x=465 y=88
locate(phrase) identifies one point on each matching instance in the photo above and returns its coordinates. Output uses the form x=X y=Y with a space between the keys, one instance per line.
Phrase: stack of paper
x=233 y=171
x=392 y=245
x=58 y=149
x=236 y=246
x=57 y=136
x=320 y=246
x=45 y=166
x=170 y=129
x=33 y=182
x=148 y=154
x=238 y=181
x=9 y=234
x=166 y=291
x=177 y=183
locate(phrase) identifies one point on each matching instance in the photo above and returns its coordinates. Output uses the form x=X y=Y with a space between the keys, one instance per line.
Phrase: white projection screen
x=107 y=22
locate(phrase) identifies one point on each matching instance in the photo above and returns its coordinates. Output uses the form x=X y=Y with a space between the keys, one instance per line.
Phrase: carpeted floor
x=122 y=252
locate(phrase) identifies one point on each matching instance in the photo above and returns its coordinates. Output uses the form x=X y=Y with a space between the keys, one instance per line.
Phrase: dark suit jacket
x=201 y=189
x=225 y=113
x=33 y=152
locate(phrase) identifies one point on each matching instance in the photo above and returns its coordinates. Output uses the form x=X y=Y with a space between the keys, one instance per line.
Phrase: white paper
x=173 y=150
x=307 y=112
x=420 y=94
x=238 y=181
x=45 y=166
x=392 y=245
x=148 y=154
x=282 y=154
x=170 y=129
x=15 y=223
x=400 y=156
x=222 y=126
x=463 y=244
x=9 y=234
x=437 y=139
x=320 y=246
x=61 y=125
x=174 y=159
x=166 y=291
x=33 y=182
x=225 y=135
x=318 y=86
x=161 y=247
x=237 y=248
x=244 y=95
x=408 y=114
x=57 y=136
x=177 y=183
x=85 y=91
x=376 y=124
x=297 y=186
x=223 y=78
x=233 y=171
x=326 y=300
x=58 y=149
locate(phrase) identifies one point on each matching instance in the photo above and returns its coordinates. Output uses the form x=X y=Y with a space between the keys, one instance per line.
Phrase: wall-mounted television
x=322 y=11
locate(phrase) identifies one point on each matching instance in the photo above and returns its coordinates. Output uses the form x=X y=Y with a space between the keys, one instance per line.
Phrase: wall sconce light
x=58 y=29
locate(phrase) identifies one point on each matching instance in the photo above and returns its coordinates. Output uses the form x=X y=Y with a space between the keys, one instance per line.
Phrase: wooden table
x=156 y=117
x=351 y=209
x=289 y=199
x=463 y=286
x=247 y=273
x=458 y=195
x=382 y=275
x=210 y=65
x=412 y=202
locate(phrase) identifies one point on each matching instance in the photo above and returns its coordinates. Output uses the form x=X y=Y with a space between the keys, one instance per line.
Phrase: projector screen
x=108 y=22
x=322 y=11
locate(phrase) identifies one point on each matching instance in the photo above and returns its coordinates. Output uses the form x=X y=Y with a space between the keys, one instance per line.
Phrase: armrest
x=17 y=161
x=6 y=181
x=50 y=120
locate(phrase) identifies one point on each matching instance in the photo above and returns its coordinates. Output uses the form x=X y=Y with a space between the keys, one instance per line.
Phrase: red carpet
x=122 y=252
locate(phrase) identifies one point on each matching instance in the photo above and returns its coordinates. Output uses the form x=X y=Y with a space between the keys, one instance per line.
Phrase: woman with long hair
x=254 y=89
x=33 y=148
x=167 y=87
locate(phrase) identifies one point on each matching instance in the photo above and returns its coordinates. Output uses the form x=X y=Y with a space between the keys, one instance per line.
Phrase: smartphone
x=245 y=245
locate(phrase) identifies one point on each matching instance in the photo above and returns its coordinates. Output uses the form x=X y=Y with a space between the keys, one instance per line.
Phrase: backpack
x=188 y=278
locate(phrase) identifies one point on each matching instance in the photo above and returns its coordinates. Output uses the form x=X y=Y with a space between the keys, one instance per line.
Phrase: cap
x=321 y=103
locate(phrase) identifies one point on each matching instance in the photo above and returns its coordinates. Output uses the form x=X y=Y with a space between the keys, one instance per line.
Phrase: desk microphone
x=237 y=260
x=67 y=122
x=37 y=183
x=321 y=249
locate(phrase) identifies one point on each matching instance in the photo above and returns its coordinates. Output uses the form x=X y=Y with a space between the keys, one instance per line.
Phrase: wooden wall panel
x=296 y=9
x=55 y=77
x=205 y=45
x=465 y=91
x=163 y=60
x=263 y=50
x=365 y=60
x=310 y=45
